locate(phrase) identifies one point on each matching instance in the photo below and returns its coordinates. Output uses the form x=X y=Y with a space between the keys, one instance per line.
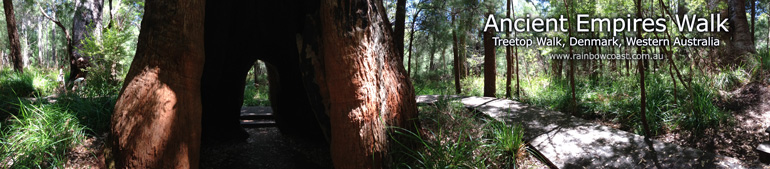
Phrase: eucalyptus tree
x=13 y=36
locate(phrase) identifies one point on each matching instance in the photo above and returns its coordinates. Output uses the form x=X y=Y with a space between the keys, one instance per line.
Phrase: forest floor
x=572 y=142
x=750 y=108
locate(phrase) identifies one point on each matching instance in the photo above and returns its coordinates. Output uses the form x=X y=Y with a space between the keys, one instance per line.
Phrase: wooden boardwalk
x=571 y=142
x=257 y=117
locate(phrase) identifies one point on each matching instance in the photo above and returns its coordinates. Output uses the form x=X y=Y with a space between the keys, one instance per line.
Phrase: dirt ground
x=750 y=107
x=265 y=148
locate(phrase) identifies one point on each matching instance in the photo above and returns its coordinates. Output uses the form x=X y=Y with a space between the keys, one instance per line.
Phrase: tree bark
x=516 y=57
x=508 y=57
x=573 y=104
x=432 y=53
x=411 y=40
x=257 y=72
x=86 y=23
x=489 y=63
x=156 y=121
x=367 y=85
x=740 y=30
x=456 y=58
x=640 y=68
x=13 y=36
x=398 y=32
x=74 y=70
x=753 y=19
x=463 y=55
x=516 y=63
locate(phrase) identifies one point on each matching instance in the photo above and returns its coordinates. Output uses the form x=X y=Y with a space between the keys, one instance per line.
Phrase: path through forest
x=571 y=142
x=265 y=148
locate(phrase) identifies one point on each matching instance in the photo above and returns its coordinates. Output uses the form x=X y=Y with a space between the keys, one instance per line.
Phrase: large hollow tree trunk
x=13 y=36
x=489 y=64
x=365 y=80
x=87 y=23
x=156 y=122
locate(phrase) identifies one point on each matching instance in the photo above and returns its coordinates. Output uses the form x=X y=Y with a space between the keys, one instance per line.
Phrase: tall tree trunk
x=156 y=121
x=489 y=63
x=53 y=46
x=432 y=53
x=753 y=19
x=463 y=55
x=411 y=40
x=740 y=30
x=508 y=57
x=516 y=57
x=86 y=23
x=257 y=72
x=443 y=58
x=13 y=36
x=40 y=28
x=68 y=40
x=398 y=32
x=456 y=60
x=640 y=68
x=568 y=5
x=368 y=88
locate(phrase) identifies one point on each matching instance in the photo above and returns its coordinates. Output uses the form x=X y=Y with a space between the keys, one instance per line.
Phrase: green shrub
x=39 y=137
x=508 y=141
x=256 y=96
x=17 y=84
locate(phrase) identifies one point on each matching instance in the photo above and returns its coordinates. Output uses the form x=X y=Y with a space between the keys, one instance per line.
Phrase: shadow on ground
x=265 y=148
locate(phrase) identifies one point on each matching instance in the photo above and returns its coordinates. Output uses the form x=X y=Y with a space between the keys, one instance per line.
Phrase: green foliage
x=109 y=57
x=256 y=96
x=700 y=112
x=16 y=84
x=455 y=137
x=40 y=133
x=39 y=136
x=449 y=142
x=508 y=140
x=30 y=83
x=617 y=98
x=728 y=79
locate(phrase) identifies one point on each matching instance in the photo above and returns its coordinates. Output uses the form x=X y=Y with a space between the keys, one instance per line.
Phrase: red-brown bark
x=489 y=64
x=367 y=85
x=156 y=122
x=13 y=36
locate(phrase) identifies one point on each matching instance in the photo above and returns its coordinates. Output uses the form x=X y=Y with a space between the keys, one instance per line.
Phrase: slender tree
x=411 y=40
x=508 y=57
x=567 y=5
x=640 y=68
x=753 y=19
x=68 y=40
x=489 y=62
x=398 y=32
x=455 y=52
x=13 y=36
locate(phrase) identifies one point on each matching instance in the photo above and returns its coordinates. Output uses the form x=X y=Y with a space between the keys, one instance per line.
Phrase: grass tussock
x=37 y=129
x=451 y=136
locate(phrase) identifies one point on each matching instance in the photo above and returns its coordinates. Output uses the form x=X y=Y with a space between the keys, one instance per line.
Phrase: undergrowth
x=37 y=129
x=453 y=137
